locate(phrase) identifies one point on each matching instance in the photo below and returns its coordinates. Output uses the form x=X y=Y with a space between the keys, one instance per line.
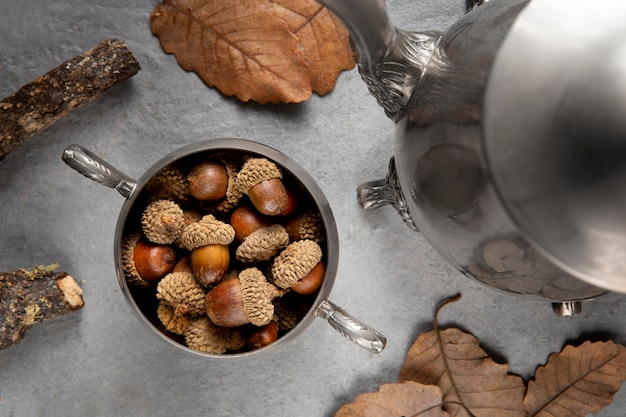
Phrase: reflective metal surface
x=443 y=182
x=555 y=134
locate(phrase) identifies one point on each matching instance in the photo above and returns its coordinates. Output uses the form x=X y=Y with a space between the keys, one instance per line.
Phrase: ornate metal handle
x=95 y=168
x=378 y=193
x=351 y=328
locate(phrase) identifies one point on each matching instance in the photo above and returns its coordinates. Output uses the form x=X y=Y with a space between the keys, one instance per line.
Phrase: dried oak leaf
x=324 y=40
x=251 y=49
x=238 y=46
x=577 y=381
x=396 y=400
x=472 y=383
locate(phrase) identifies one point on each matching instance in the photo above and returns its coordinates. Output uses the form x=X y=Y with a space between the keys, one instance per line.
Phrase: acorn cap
x=257 y=295
x=233 y=194
x=256 y=170
x=128 y=260
x=310 y=226
x=262 y=244
x=207 y=231
x=293 y=263
x=204 y=336
x=172 y=322
x=183 y=292
x=169 y=184
x=162 y=221
x=285 y=315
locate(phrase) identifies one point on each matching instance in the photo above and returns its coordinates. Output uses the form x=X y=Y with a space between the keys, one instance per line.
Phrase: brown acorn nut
x=208 y=181
x=246 y=220
x=295 y=262
x=261 y=180
x=208 y=241
x=309 y=283
x=262 y=336
x=172 y=322
x=247 y=299
x=145 y=262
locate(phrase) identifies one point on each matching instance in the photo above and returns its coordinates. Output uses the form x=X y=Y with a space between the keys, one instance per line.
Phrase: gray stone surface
x=102 y=361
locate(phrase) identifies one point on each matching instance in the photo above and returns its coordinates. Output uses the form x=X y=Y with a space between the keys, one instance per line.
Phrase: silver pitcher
x=510 y=153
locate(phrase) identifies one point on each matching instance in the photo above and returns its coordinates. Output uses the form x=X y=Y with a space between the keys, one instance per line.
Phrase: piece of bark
x=32 y=296
x=80 y=80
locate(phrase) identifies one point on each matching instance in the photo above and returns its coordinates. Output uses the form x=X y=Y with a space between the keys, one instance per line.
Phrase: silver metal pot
x=510 y=153
x=142 y=303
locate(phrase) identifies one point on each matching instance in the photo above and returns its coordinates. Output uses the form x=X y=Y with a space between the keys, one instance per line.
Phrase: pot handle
x=97 y=169
x=353 y=329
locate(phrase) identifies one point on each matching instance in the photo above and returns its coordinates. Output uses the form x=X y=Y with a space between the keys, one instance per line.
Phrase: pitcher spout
x=390 y=60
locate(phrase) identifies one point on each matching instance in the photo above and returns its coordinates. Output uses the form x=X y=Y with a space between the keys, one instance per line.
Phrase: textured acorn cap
x=311 y=227
x=172 y=322
x=183 y=292
x=262 y=244
x=285 y=315
x=233 y=193
x=204 y=336
x=162 y=221
x=257 y=295
x=207 y=231
x=168 y=184
x=128 y=261
x=293 y=263
x=256 y=170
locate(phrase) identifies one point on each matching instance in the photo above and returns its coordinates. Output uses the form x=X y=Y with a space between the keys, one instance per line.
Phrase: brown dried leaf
x=260 y=50
x=324 y=40
x=577 y=381
x=239 y=46
x=468 y=378
x=396 y=400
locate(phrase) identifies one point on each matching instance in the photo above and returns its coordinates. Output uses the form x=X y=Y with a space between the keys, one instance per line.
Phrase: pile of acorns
x=229 y=250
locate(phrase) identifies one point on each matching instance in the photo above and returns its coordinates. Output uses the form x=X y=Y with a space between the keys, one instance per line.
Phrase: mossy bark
x=32 y=296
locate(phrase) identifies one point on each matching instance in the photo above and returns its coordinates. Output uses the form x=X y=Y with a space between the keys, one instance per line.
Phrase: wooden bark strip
x=29 y=297
x=40 y=103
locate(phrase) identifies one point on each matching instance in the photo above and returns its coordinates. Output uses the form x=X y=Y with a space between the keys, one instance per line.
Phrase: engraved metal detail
x=375 y=194
x=93 y=167
x=392 y=79
x=351 y=328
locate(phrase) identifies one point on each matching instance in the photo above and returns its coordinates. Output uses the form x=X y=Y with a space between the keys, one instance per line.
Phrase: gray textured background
x=101 y=361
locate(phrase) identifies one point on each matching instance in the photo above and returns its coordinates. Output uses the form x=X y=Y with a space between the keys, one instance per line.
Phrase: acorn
x=208 y=181
x=168 y=184
x=293 y=201
x=263 y=244
x=172 y=322
x=204 y=336
x=308 y=225
x=309 y=283
x=183 y=265
x=144 y=262
x=208 y=241
x=162 y=221
x=182 y=291
x=295 y=263
x=245 y=220
x=233 y=194
x=261 y=180
x=262 y=336
x=246 y=299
